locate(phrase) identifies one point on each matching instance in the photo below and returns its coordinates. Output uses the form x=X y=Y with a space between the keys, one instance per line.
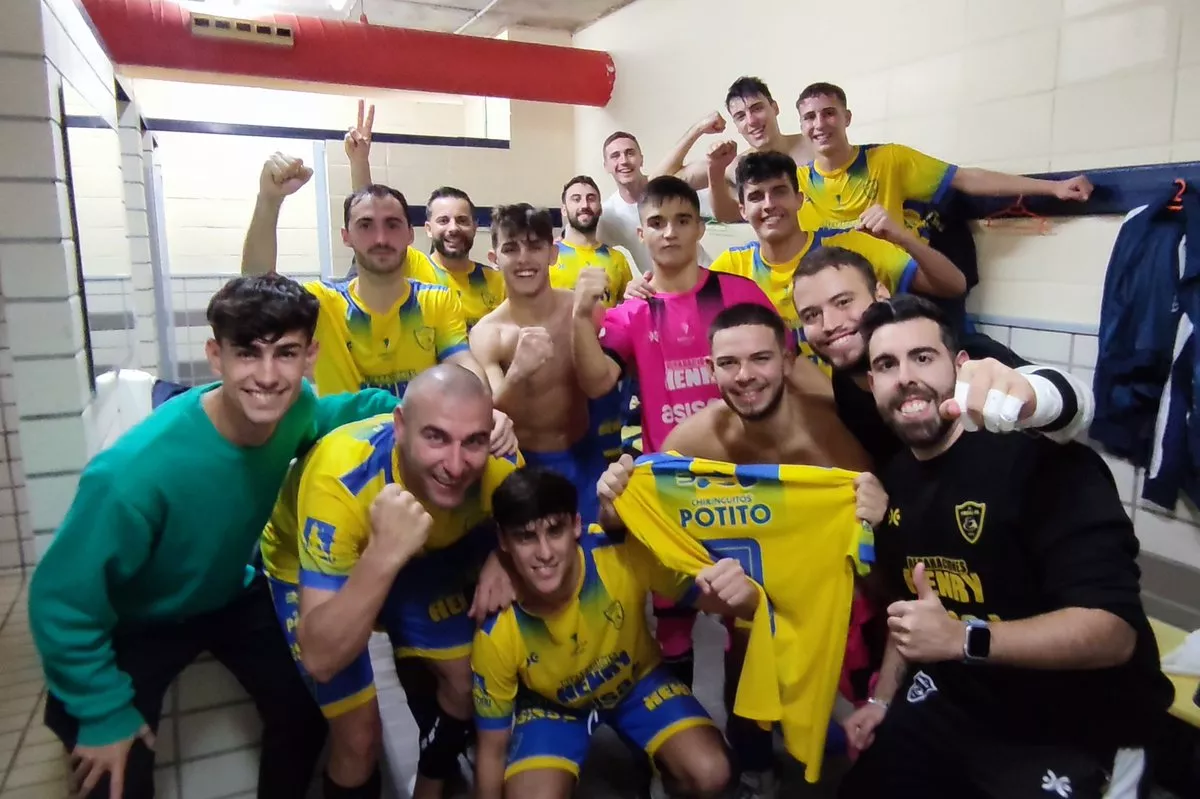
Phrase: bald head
x=446 y=381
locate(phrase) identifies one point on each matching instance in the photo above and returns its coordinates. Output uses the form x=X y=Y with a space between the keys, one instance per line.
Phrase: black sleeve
x=1083 y=545
x=979 y=346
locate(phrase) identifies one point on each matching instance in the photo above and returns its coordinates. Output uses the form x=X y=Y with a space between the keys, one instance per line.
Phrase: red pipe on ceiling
x=157 y=33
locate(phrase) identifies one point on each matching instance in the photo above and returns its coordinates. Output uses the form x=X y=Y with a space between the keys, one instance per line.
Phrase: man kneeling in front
x=577 y=648
x=1020 y=663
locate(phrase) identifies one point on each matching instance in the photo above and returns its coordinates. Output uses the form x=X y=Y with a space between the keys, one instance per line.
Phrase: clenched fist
x=711 y=123
x=282 y=176
x=399 y=525
x=877 y=222
x=590 y=288
x=721 y=155
x=534 y=348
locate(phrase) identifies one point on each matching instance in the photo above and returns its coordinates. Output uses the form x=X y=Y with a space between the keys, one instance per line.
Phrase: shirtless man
x=764 y=419
x=524 y=347
x=755 y=114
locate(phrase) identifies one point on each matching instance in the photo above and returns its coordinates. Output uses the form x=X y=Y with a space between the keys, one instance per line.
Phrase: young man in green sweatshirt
x=150 y=566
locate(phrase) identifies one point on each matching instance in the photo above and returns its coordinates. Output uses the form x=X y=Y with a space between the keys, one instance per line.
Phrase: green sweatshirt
x=161 y=529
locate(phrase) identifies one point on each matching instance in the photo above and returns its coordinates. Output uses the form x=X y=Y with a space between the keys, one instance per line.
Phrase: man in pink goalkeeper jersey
x=663 y=339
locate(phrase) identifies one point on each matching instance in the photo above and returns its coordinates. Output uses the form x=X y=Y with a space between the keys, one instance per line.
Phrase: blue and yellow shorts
x=583 y=464
x=425 y=615
x=351 y=688
x=548 y=737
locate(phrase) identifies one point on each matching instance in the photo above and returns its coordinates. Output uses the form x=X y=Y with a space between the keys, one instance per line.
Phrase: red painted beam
x=157 y=33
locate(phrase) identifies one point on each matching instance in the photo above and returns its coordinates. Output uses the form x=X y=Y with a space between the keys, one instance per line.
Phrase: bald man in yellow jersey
x=450 y=223
x=575 y=652
x=333 y=581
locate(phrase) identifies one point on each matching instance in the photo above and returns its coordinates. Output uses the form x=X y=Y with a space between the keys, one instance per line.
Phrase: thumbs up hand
x=921 y=628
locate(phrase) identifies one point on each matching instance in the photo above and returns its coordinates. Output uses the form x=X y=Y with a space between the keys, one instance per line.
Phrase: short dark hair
x=620 y=134
x=748 y=313
x=377 y=190
x=904 y=308
x=530 y=494
x=522 y=219
x=746 y=87
x=449 y=192
x=584 y=179
x=669 y=187
x=759 y=166
x=822 y=90
x=261 y=308
x=823 y=258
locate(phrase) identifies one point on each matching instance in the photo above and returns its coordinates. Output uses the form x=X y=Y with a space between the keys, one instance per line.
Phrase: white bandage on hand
x=1047 y=402
x=1000 y=411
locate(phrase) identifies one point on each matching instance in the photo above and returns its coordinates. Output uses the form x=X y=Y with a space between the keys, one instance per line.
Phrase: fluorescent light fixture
x=339 y=5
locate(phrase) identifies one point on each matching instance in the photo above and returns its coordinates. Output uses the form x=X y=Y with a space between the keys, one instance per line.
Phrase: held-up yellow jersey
x=480 y=290
x=574 y=259
x=360 y=349
x=891 y=175
x=794 y=530
x=345 y=471
x=589 y=654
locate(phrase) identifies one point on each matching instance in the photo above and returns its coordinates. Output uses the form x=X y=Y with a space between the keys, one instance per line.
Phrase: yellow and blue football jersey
x=345 y=472
x=691 y=512
x=480 y=290
x=573 y=259
x=899 y=178
x=588 y=655
x=360 y=349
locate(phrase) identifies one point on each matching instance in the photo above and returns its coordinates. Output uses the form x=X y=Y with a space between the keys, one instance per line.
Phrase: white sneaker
x=757 y=785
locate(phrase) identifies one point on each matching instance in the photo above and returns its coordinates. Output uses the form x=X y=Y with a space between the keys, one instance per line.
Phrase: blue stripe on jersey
x=383 y=444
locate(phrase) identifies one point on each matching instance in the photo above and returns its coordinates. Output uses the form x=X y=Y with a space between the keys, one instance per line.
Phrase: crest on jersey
x=969 y=516
x=424 y=336
x=615 y=613
x=488 y=299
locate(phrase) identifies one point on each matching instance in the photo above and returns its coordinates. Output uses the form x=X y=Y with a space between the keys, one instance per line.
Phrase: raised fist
x=282 y=176
x=399 y=525
x=590 y=289
x=534 y=348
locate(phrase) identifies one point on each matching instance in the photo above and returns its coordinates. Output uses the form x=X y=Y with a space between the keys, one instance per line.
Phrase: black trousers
x=244 y=636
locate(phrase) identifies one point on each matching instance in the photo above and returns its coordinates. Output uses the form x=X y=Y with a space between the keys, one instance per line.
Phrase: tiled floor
x=32 y=765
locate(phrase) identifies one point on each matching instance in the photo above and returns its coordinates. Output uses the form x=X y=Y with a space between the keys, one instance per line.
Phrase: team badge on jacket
x=969 y=516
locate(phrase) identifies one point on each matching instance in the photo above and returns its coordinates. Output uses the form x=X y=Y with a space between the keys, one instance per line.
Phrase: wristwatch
x=977 y=644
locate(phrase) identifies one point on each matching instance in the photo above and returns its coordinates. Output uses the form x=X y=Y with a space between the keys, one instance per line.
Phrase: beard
x=923 y=432
x=765 y=412
x=440 y=246
x=380 y=261
x=583 y=227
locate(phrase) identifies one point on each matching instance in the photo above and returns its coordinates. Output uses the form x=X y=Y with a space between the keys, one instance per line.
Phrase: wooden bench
x=1184 y=707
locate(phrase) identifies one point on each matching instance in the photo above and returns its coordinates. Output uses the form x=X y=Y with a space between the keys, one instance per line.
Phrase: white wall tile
x=58 y=385
x=204 y=685
x=1189 y=39
x=22 y=28
x=1078 y=8
x=1013 y=66
x=1041 y=346
x=38 y=270
x=165 y=779
x=1187 y=105
x=1019 y=127
x=32 y=150
x=987 y=19
x=54 y=445
x=24 y=92
x=220 y=776
x=34 y=210
x=1129 y=156
x=1100 y=46
x=50 y=499
x=211 y=731
x=48 y=328
x=1084 y=350
x=1085 y=117
x=1168 y=537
